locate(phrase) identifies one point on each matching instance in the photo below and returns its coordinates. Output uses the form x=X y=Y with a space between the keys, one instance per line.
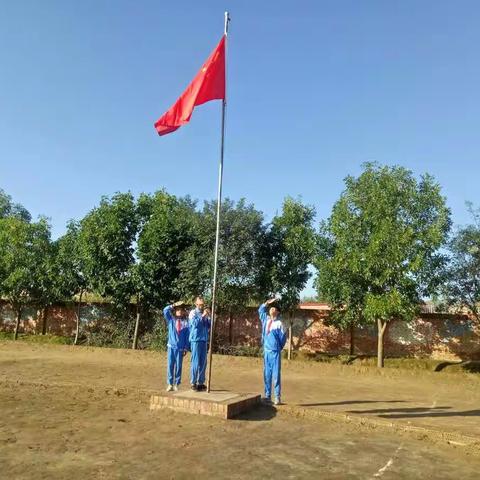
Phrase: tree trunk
x=230 y=327
x=17 y=323
x=381 y=331
x=137 y=323
x=44 y=320
x=77 y=327
x=352 y=339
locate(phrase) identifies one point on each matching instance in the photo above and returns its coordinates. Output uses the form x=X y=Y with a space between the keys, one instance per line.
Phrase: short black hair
x=277 y=306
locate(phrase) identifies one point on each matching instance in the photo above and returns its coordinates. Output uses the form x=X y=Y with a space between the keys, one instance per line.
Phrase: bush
x=156 y=339
x=109 y=334
x=239 y=350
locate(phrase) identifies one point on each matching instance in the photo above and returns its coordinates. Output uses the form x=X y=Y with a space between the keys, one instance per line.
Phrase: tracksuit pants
x=198 y=363
x=174 y=365
x=272 y=363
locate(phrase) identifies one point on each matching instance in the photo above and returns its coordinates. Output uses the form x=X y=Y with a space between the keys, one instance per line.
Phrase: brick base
x=221 y=404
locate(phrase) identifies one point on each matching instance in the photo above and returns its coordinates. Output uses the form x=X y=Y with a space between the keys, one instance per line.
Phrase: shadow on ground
x=466 y=413
x=258 y=414
x=417 y=412
x=348 y=402
x=470 y=366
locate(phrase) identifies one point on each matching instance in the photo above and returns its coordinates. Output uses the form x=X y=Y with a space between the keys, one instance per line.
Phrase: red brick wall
x=432 y=335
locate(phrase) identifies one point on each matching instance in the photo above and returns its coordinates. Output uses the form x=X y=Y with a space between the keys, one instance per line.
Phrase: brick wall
x=438 y=336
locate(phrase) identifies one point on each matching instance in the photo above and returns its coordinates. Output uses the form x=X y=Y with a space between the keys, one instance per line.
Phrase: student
x=273 y=340
x=199 y=324
x=177 y=324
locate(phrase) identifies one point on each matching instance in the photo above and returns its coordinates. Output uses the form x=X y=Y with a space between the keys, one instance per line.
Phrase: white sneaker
x=175 y=388
x=170 y=388
x=277 y=401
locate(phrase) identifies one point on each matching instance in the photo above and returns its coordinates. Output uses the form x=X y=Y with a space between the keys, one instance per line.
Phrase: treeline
x=152 y=250
x=387 y=245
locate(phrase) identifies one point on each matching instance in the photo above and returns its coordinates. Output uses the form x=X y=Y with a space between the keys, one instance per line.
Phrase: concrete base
x=217 y=403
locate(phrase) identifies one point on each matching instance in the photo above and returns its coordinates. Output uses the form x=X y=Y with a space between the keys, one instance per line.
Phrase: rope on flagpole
x=219 y=205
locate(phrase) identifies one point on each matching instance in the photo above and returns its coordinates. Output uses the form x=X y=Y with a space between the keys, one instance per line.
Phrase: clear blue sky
x=315 y=89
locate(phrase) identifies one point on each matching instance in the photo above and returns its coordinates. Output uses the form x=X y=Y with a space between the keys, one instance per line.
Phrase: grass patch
x=410 y=364
x=40 y=339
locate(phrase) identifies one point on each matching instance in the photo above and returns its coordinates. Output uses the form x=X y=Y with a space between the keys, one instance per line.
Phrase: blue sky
x=315 y=89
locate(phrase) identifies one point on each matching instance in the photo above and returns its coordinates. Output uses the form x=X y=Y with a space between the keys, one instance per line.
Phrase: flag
x=209 y=84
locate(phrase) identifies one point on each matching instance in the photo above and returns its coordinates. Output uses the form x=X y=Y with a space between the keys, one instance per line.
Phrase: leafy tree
x=346 y=298
x=70 y=266
x=462 y=286
x=380 y=247
x=290 y=252
x=106 y=242
x=24 y=248
x=292 y=245
x=241 y=259
x=166 y=231
x=48 y=282
x=10 y=209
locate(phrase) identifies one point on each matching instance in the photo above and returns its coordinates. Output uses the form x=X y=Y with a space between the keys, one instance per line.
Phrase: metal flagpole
x=219 y=205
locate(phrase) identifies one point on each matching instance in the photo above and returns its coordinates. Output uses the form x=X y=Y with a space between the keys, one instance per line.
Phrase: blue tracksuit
x=199 y=335
x=273 y=340
x=177 y=345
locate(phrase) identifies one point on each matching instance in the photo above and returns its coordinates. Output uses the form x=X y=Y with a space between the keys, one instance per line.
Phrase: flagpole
x=219 y=205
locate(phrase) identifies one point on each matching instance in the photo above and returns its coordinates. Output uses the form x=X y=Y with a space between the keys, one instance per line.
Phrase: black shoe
x=194 y=387
x=201 y=388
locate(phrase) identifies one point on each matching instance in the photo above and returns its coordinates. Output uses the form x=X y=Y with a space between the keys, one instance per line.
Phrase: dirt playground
x=81 y=413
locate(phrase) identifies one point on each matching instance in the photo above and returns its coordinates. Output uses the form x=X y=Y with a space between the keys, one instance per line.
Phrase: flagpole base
x=218 y=403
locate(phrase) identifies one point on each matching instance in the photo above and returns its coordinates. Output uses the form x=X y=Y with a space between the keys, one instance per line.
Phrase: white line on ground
x=382 y=470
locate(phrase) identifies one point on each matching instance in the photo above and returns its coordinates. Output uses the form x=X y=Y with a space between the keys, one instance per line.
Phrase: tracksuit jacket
x=273 y=341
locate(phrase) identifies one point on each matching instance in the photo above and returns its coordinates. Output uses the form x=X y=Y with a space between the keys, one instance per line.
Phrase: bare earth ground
x=77 y=412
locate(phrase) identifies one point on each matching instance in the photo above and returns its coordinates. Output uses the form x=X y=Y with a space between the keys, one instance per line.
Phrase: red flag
x=209 y=84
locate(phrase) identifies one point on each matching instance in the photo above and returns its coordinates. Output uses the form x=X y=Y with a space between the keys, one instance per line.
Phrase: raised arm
x=263 y=310
x=167 y=313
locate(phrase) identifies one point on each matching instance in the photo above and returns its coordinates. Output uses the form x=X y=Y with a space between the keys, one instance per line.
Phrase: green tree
x=341 y=288
x=106 y=242
x=47 y=288
x=10 y=209
x=292 y=249
x=380 y=247
x=166 y=231
x=24 y=248
x=70 y=266
x=241 y=259
x=462 y=285
x=290 y=252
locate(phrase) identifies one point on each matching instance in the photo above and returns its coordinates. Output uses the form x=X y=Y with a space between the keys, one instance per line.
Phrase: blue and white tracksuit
x=177 y=344
x=273 y=340
x=199 y=336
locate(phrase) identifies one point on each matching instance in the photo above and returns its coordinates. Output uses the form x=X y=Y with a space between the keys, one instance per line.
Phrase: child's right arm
x=262 y=312
x=167 y=313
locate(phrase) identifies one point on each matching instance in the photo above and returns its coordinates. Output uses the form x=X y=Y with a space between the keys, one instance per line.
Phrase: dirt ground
x=76 y=412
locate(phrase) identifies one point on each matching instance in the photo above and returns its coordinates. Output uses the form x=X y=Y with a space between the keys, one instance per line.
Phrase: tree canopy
x=379 y=250
x=462 y=281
